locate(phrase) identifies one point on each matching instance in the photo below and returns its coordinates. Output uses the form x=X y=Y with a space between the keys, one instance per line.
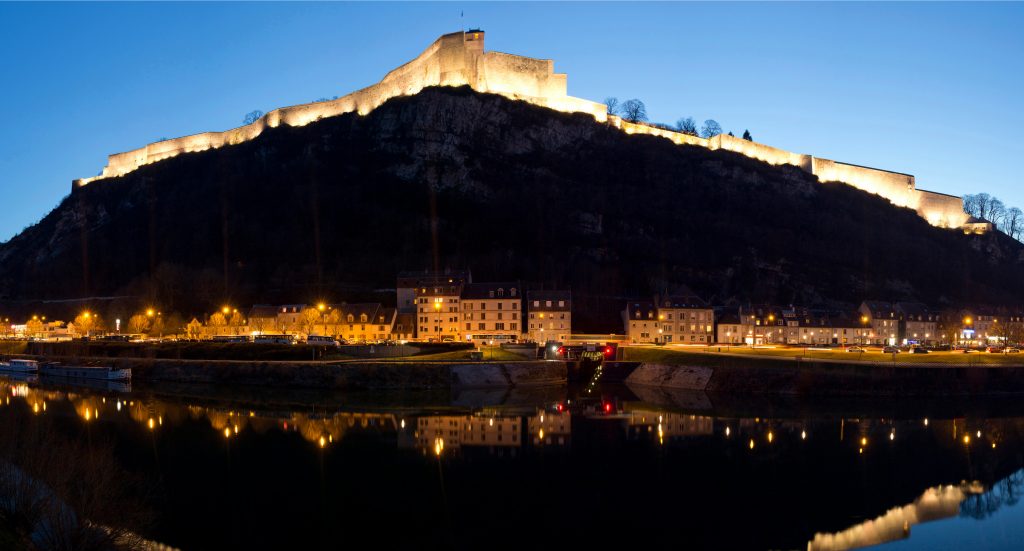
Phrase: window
x=467 y=327
x=362 y=318
x=501 y=292
x=351 y=318
x=499 y=306
x=547 y=303
x=536 y=303
x=561 y=304
x=480 y=326
x=499 y=315
x=499 y=326
x=483 y=316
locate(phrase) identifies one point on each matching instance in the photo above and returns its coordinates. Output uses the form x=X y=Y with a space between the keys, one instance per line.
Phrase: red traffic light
x=608 y=351
x=607 y=407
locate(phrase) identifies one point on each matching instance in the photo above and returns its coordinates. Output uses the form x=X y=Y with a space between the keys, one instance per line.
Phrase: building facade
x=549 y=316
x=491 y=312
x=438 y=312
x=882 y=318
x=684 y=319
x=640 y=322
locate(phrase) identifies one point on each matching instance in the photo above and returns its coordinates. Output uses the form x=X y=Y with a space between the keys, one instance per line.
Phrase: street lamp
x=323 y=318
x=437 y=317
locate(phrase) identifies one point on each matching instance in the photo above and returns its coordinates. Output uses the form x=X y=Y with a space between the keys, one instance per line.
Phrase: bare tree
x=1013 y=222
x=996 y=212
x=252 y=116
x=138 y=323
x=687 y=126
x=309 y=318
x=612 y=103
x=972 y=205
x=711 y=128
x=983 y=202
x=86 y=322
x=218 y=320
x=633 y=110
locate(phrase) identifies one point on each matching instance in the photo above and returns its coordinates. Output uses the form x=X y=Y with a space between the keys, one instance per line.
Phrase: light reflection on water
x=625 y=440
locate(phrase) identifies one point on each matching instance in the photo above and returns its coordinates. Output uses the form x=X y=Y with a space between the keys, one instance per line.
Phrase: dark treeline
x=1009 y=220
x=634 y=110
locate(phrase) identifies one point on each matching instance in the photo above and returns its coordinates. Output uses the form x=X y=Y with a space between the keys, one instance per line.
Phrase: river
x=197 y=467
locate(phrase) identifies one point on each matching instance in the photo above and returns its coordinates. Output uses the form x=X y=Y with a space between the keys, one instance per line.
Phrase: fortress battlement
x=459 y=59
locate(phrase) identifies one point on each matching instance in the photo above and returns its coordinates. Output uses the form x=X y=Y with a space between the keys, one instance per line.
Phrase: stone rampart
x=458 y=59
x=455 y=59
x=761 y=152
x=939 y=209
x=896 y=187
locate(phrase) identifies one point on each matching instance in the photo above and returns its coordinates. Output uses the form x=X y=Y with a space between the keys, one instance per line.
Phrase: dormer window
x=362 y=318
x=351 y=318
x=501 y=292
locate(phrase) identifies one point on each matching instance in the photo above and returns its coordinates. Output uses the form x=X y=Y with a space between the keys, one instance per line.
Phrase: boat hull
x=19 y=367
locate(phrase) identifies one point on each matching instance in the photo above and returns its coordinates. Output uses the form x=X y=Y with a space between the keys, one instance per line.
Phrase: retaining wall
x=817 y=379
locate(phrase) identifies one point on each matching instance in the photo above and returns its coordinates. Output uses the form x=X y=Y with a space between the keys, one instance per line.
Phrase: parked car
x=855 y=349
x=890 y=350
x=919 y=350
x=1013 y=350
x=994 y=349
x=322 y=340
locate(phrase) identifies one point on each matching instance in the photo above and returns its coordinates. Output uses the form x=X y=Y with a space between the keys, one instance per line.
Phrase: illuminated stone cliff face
x=459 y=59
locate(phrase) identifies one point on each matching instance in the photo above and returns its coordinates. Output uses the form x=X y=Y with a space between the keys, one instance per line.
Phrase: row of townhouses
x=432 y=307
x=687 y=319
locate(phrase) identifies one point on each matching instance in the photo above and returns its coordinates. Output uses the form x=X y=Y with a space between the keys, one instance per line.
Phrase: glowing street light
x=437 y=317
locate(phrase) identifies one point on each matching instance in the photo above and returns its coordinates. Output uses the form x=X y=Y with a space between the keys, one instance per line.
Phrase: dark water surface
x=202 y=468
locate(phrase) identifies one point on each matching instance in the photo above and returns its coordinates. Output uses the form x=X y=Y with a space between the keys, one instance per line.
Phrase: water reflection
x=934 y=504
x=822 y=481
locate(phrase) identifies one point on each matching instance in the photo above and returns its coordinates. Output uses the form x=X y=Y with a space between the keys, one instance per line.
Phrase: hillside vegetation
x=453 y=178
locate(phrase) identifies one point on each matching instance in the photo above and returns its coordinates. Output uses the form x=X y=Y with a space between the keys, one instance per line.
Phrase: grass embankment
x=707 y=355
x=489 y=354
x=207 y=350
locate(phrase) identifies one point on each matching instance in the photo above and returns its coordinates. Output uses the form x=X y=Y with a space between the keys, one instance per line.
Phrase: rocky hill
x=454 y=178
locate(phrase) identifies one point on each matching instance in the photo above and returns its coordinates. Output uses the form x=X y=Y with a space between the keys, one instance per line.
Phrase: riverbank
x=729 y=373
x=705 y=355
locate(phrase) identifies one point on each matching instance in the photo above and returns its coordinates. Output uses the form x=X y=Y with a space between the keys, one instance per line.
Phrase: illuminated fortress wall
x=456 y=59
x=897 y=188
x=459 y=59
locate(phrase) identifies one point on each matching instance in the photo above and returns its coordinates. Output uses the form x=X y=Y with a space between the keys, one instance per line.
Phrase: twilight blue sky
x=931 y=89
